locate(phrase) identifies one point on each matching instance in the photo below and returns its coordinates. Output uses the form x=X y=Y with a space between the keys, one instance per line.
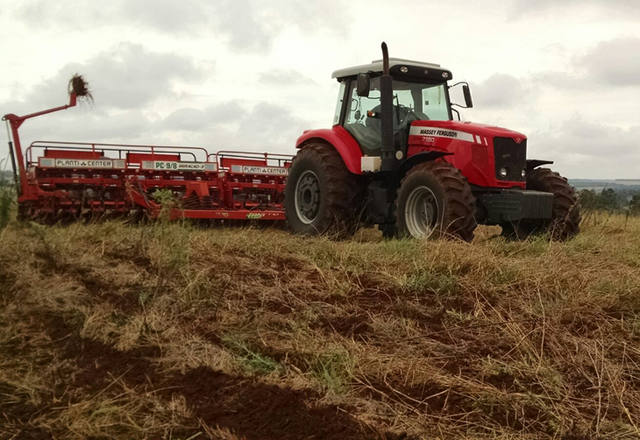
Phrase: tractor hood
x=463 y=131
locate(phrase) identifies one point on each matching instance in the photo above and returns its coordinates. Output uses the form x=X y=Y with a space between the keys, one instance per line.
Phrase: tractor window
x=365 y=129
x=435 y=103
x=403 y=98
x=424 y=101
x=336 y=116
x=411 y=101
x=360 y=105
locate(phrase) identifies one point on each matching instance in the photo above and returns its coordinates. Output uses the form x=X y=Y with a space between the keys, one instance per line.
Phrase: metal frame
x=119 y=148
x=218 y=193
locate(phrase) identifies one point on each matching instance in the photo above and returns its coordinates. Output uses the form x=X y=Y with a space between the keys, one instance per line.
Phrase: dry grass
x=171 y=331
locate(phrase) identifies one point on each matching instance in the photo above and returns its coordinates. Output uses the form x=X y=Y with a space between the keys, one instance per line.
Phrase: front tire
x=321 y=195
x=434 y=199
x=565 y=214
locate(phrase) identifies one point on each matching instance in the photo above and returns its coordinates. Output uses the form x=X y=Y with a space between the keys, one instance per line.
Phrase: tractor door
x=365 y=129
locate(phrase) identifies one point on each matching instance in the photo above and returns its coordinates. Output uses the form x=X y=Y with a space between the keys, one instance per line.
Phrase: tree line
x=612 y=200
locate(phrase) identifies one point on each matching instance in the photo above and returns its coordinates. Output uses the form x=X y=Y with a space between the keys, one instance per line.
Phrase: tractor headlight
x=503 y=172
x=523 y=173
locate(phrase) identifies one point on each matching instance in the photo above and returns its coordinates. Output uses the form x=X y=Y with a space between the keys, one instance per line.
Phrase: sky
x=252 y=75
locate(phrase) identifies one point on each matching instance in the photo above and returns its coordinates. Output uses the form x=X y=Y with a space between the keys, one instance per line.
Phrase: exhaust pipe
x=388 y=151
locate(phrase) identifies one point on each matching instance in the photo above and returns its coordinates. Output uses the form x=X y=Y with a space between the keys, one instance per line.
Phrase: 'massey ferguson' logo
x=438 y=132
x=429 y=133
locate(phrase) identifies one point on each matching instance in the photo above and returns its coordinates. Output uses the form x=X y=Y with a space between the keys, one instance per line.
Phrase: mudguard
x=535 y=163
x=341 y=140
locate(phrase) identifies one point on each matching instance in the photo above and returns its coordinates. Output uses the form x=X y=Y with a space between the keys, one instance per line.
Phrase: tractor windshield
x=412 y=101
x=427 y=101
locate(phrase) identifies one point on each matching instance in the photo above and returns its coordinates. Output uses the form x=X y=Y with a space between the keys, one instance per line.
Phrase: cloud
x=245 y=24
x=126 y=76
x=499 y=90
x=233 y=125
x=284 y=78
x=78 y=14
x=85 y=125
x=192 y=119
x=185 y=16
x=577 y=145
x=271 y=125
x=249 y=25
x=621 y=7
x=613 y=62
x=600 y=68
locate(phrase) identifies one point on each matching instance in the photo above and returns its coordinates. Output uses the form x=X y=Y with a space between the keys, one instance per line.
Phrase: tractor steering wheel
x=407 y=116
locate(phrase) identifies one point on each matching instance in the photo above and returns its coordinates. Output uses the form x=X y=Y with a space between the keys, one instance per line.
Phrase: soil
x=251 y=409
x=261 y=411
x=354 y=325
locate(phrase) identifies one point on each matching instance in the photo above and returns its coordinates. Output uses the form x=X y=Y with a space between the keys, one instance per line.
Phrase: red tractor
x=395 y=157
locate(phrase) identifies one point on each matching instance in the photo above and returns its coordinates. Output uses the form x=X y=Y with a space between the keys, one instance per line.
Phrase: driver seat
x=367 y=135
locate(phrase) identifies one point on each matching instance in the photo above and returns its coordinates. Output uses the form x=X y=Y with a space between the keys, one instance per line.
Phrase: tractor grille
x=512 y=156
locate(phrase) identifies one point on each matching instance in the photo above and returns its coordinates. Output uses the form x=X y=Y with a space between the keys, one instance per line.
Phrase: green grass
x=249 y=358
x=7 y=200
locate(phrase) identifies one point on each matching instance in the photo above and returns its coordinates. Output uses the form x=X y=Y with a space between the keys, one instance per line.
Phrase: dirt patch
x=250 y=409
x=99 y=363
x=14 y=403
x=126 y=298
x=258 y=411
x=429 y=317
x=7 y=281
x=351 y=326
x=134 y=254
x=127 y=302
x=429 y=396
x=513 y=410
x=277 y=305
x=16 y=410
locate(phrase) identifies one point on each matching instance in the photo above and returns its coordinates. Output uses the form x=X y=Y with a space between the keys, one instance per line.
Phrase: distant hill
x=600 y=184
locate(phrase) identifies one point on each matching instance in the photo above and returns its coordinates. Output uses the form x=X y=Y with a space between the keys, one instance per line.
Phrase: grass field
x=170 y=331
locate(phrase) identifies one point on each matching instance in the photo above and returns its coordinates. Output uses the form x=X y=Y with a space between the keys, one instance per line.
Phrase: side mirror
x=363 y=85
x=467 y=96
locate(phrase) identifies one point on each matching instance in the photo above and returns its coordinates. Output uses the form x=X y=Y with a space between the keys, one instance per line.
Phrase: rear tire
x=565 y=216
x=321 y=195
x=434 y=200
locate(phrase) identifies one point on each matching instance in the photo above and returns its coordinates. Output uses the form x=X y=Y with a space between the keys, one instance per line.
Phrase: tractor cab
x=420 y=92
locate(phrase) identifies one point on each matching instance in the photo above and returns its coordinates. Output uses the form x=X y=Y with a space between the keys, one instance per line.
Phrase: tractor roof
x=414 y=68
